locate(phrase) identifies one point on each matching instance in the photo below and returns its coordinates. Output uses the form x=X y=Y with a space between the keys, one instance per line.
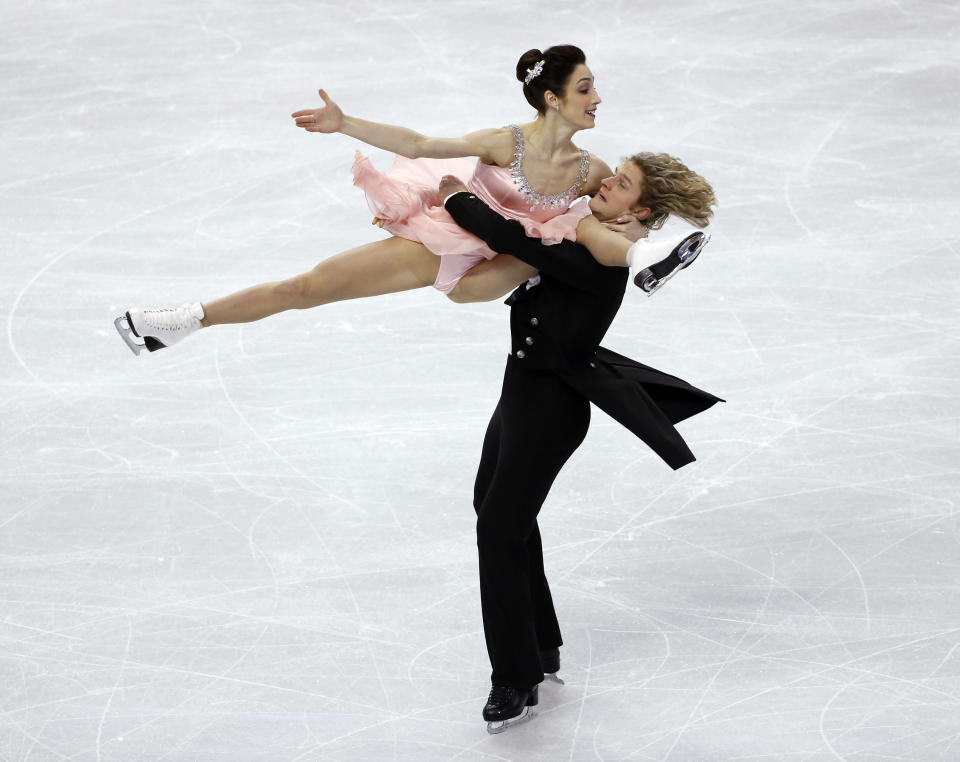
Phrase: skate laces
x=500 y=694
x=169 y=318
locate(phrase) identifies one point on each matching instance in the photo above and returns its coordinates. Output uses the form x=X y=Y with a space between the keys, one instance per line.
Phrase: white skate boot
x=158 y=328
x=656 y=262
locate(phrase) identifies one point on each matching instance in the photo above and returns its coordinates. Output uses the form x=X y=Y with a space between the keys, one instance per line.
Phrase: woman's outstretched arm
x=493 y=146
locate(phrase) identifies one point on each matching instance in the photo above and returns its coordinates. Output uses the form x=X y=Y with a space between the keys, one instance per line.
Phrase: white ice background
x=259 y=545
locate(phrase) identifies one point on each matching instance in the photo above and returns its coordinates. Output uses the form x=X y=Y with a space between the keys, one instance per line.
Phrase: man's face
x=618 y=195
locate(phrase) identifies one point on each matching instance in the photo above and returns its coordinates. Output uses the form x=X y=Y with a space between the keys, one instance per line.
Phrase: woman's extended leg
x=384 y=267
x=491 y=279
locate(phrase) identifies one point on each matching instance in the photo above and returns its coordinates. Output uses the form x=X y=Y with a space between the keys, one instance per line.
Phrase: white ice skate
x=158 y=328
x=656 y=262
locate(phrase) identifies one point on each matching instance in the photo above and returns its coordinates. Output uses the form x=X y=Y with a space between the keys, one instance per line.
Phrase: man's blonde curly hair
x=670 y=187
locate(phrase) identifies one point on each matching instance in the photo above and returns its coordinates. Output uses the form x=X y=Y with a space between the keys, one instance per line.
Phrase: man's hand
x=450 y=184
x=326 y=119
x=630 y=227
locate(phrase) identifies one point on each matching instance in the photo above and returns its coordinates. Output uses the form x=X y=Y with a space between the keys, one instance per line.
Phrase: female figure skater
x=531 y=173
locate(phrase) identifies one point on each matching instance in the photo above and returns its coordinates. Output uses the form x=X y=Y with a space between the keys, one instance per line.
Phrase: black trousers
x=537 y=425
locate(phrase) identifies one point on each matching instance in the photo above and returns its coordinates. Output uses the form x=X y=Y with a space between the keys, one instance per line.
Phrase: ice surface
x=259 y=545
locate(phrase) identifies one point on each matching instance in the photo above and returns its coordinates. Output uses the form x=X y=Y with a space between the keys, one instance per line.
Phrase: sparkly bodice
x=506 y=190
x=556 y=201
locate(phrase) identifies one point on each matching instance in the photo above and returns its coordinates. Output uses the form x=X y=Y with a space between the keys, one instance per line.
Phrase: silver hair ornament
x=533 y=73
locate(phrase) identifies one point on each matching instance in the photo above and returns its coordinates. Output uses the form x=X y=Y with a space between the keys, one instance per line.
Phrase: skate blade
x=126 y=333
x=660 y=283
x=500 y=725
x=696 y=249
x=553 y=678
x=690 y=252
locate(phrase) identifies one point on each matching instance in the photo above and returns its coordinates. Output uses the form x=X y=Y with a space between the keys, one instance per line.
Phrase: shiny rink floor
x=259 y=545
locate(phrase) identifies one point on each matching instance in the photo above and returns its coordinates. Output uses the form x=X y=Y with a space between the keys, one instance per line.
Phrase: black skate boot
x=550 y=664
x=508 y=706
x=677 y=254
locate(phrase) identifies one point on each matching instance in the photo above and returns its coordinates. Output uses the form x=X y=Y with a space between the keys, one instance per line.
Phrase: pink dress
x=406 y=197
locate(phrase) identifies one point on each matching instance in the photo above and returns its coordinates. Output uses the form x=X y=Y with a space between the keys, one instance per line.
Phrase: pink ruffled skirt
x=406 y=198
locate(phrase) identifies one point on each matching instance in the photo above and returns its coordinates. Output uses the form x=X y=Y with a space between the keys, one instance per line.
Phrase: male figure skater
x=555 y=369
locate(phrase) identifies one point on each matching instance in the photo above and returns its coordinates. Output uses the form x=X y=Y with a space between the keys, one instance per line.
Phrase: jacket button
x=593 y=365
x=521 y=354
x=529 y=340
x=534 y=321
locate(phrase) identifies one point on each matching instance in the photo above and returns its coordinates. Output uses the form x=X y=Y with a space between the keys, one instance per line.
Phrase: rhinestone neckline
x=535 y=199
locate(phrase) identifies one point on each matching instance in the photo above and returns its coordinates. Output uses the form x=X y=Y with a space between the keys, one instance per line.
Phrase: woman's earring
x=557 y=107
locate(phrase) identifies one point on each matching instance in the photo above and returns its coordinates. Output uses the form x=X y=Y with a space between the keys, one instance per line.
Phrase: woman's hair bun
x=559 y=62
x=527 y=61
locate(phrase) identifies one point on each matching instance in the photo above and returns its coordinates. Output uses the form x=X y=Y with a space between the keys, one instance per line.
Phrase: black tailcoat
x=558 y=325
x=555 y=369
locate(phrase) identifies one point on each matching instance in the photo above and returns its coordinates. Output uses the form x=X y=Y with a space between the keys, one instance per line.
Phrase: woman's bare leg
x=491 y=279
x=384 y=267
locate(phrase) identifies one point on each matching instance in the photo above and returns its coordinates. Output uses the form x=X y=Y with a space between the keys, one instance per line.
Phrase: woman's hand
x=450 y=184
x=630 y=227
x=327 y=119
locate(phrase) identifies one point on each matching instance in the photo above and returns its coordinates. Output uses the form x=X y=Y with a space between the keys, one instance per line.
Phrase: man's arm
x=566 y=262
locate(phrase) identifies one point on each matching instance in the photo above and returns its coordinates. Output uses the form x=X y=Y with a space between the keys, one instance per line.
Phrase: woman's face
x=580 y=98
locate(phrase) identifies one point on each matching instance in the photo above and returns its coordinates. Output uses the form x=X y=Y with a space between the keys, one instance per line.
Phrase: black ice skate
x=550 y=664
x=158 y=328
x=507 y=706
x=681 y=254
